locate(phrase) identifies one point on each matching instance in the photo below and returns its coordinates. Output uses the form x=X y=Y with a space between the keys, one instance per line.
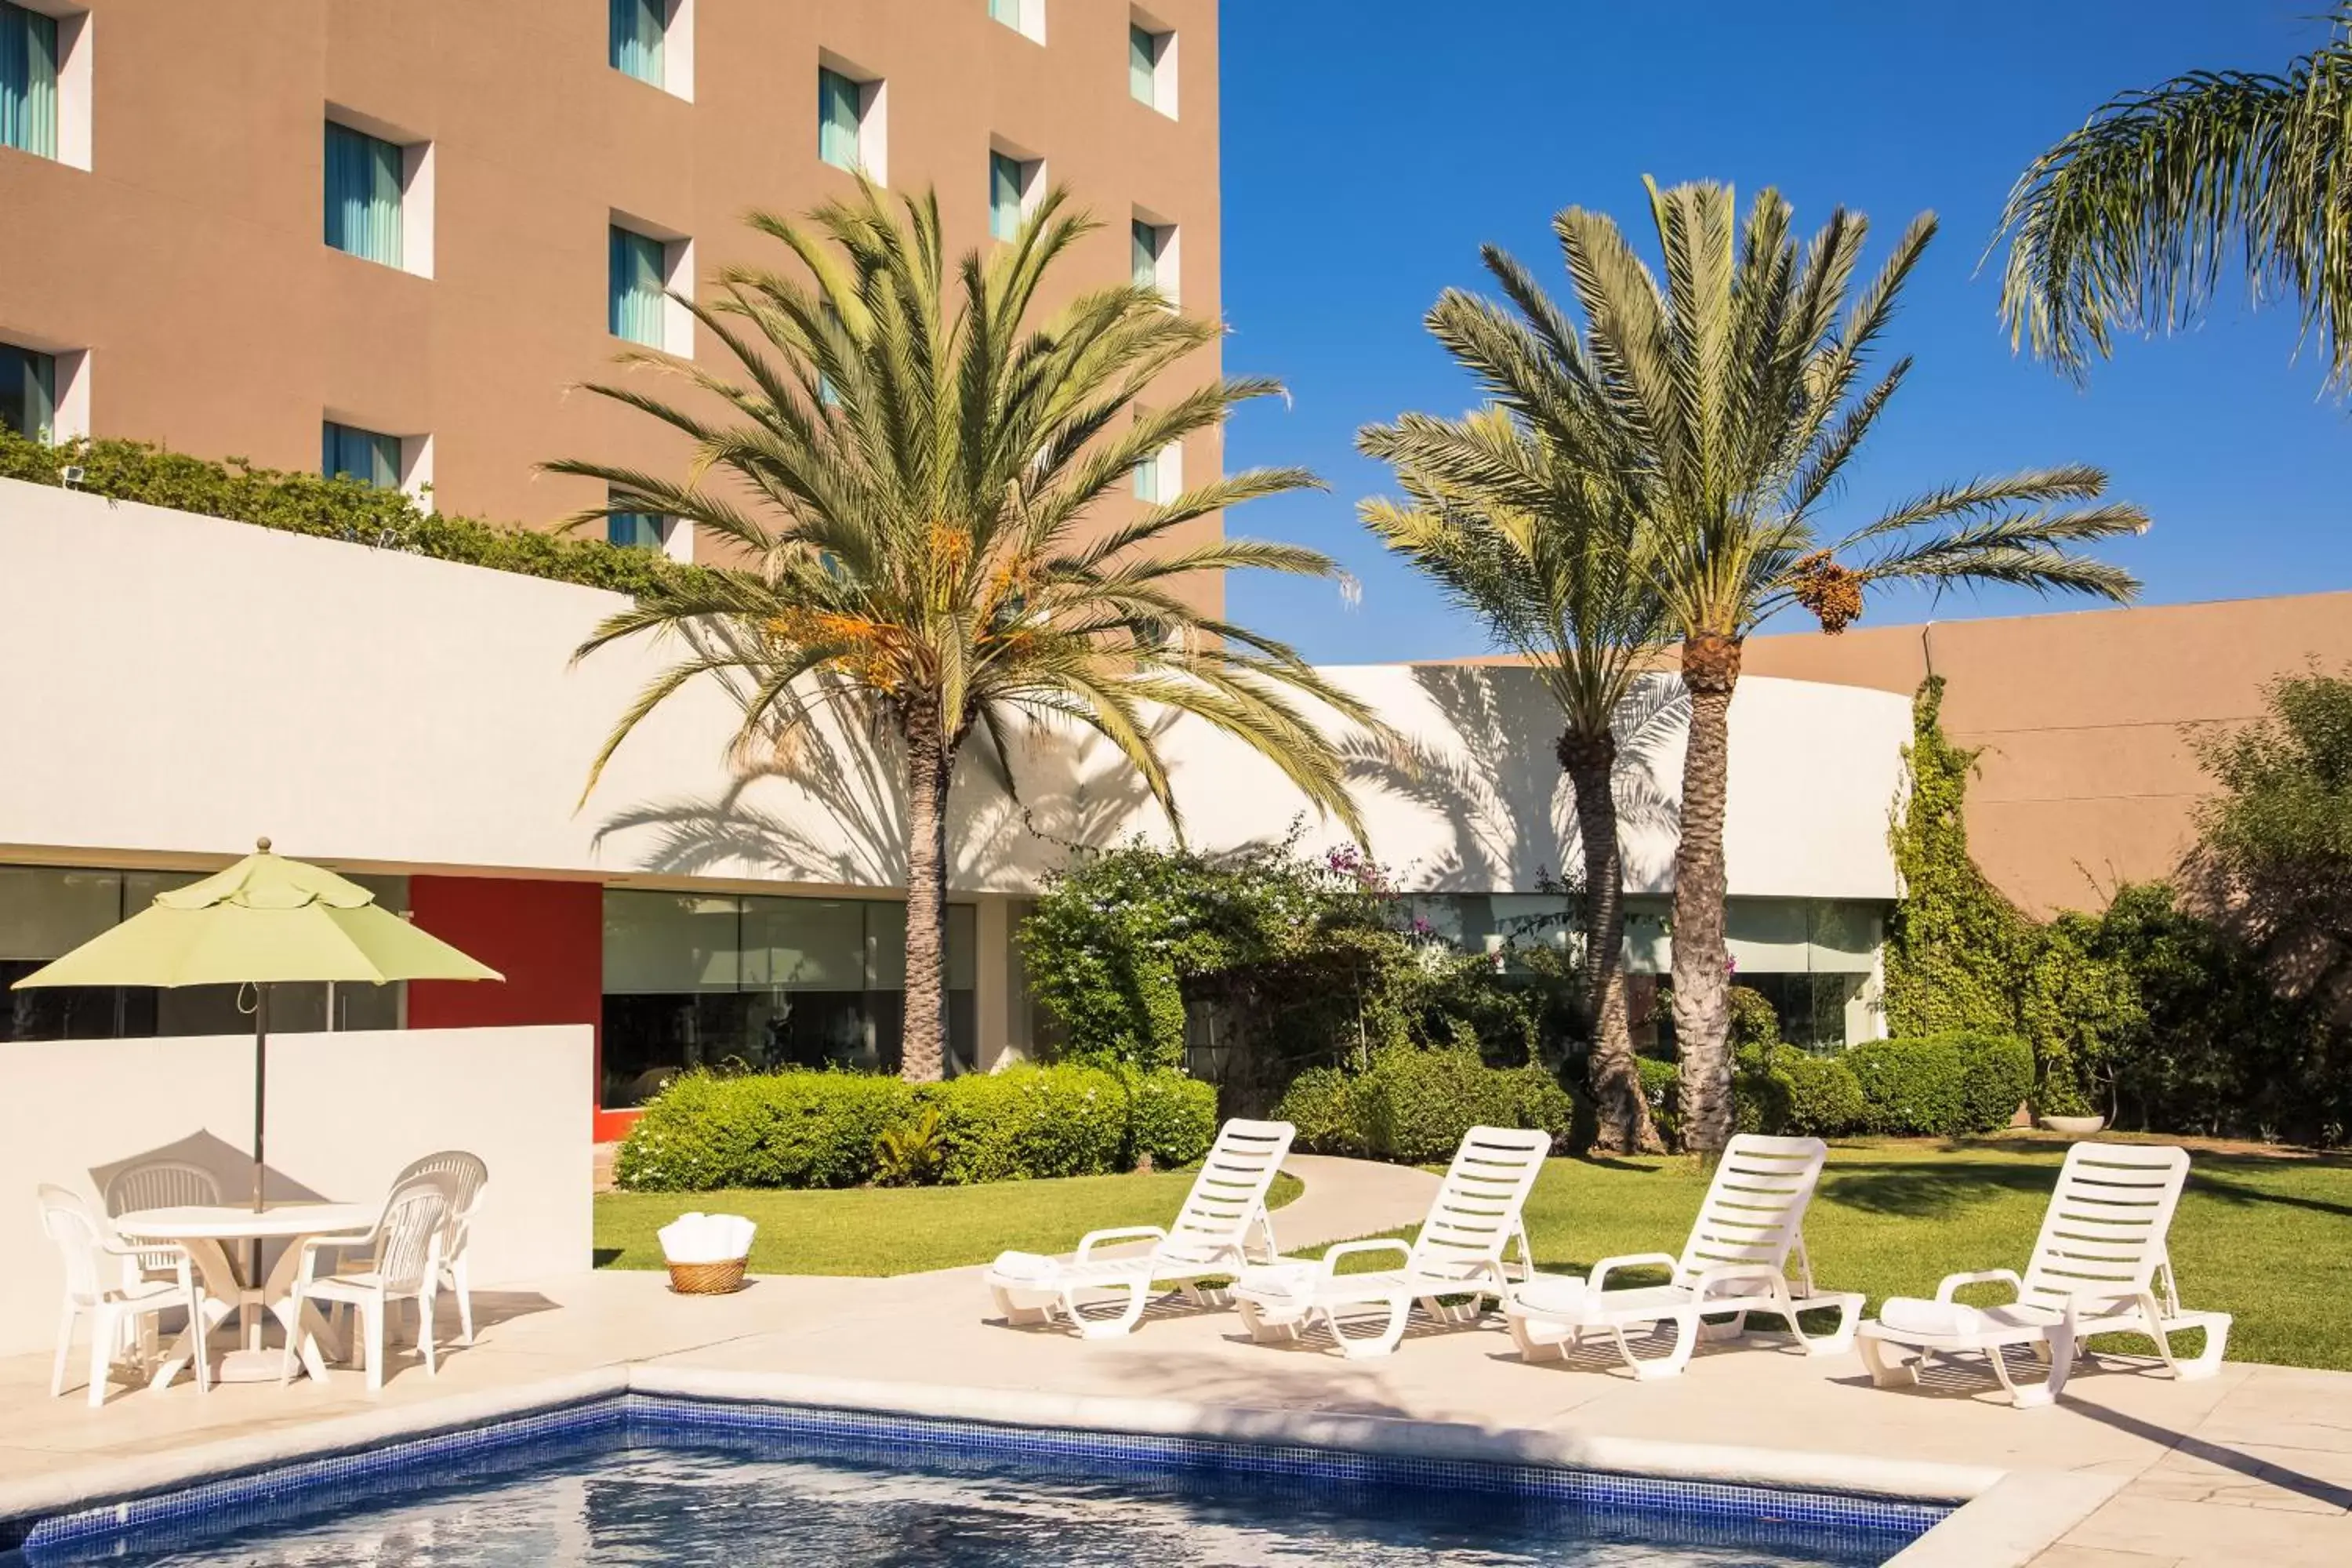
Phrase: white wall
x=346 y=1112
x=184 y=684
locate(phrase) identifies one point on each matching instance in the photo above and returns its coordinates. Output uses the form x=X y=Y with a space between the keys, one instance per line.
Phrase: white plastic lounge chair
x=470 y=1175
x=1461 y=1250
x=1736 y=1262
x=1214 y=1234
x=2099 y=1266
x=111 y=1283
x=399 y=1260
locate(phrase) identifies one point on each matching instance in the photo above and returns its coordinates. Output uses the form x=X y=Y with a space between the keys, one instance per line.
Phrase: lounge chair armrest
x=2008 y=1276
x=1349 y=1249
x=1598 y=1278
x=1094 y=1238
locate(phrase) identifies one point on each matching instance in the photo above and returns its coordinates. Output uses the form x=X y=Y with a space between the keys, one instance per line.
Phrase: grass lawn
x=2267 y=1237
x=876 y=1230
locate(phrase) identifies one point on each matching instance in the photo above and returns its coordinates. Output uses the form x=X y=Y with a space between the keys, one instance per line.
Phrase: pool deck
x=2131 y=1471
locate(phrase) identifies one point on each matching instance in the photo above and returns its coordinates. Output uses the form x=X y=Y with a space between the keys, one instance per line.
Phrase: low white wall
x=371 y=709
x=346 y=1112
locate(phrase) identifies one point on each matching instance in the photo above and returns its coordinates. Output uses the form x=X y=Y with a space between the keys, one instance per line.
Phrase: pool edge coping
x=2028 y=1510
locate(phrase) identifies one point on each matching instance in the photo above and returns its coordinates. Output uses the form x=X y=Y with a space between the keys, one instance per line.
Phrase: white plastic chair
x=161 y=1184
x=470 y=1175
x=398 y=1260
x=1735 y=1262
x=1223 y=1226
x=2099 y=1266
x=106 y=1281
x=1462 y=1249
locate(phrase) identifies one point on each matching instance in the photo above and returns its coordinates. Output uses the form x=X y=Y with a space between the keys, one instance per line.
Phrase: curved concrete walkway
x=1347 y=1198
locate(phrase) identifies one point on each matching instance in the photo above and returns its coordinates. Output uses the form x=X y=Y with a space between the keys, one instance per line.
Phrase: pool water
x=636 y=1492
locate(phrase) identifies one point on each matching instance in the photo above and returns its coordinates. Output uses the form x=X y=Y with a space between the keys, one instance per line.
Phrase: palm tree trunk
x=1701 y=961
x=930 y=761
x=1591 y=761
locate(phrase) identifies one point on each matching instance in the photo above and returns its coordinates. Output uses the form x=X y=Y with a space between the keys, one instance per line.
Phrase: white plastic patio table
x=206 y=1231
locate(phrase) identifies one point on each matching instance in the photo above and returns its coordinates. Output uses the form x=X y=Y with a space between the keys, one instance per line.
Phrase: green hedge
x=327 y=508
x=1413 y=1105
x=709 y=1131
x=1939 y=1086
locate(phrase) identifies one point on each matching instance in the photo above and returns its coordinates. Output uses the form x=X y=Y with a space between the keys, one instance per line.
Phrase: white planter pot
x=2073 y=1126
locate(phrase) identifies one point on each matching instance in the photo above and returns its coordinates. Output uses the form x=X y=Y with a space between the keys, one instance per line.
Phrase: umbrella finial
x=261 y=846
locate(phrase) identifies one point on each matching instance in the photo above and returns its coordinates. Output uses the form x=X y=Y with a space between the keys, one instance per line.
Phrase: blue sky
x=1370 y=146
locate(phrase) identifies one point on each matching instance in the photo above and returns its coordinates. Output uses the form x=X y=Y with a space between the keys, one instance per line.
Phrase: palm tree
x=1544 y=554
x=1726 y=400
x=917 y=483
x=2129 y=221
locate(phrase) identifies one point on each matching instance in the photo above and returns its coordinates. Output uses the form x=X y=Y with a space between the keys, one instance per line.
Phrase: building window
x=1151 y=63
x=1027 y=17
x=1013 y=185
x=364 y=195
x=29 y=80
x=1159 y=479
x=634 y=309
x=702 y=980
x=1151 y=248
x=348 y=452
x=652 y=530
x=851 y=122
x=29 y=392
x=653 y=41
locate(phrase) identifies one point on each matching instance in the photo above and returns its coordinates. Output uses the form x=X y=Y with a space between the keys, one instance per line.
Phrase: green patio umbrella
x=265 y=921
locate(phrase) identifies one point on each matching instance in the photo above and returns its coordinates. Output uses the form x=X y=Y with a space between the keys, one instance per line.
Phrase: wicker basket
x=722 y=1279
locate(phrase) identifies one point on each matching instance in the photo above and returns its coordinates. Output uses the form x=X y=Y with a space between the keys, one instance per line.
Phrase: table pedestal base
x=249 y=1366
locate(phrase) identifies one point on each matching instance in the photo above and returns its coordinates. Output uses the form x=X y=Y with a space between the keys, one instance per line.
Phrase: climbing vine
x=1960 y=955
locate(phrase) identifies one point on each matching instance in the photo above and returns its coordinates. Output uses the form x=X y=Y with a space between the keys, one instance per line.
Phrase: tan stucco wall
x=188 y=259
x=2088 y=778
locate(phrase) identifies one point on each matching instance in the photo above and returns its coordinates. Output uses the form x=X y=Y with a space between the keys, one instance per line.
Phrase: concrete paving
x=2130 y=1471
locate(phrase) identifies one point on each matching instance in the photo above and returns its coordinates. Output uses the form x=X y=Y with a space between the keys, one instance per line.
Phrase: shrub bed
x=709 y=1130
x=1413 y=1105
x=1940 y=1086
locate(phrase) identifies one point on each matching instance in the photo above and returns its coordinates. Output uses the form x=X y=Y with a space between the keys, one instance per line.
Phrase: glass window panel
x=635 y=308
x=635 y=530
x=1143 y=252
x=804 y=945
x=46 y=913
x=885 y=929
x=638 y=36
x=347 y=452
x=837 y=119
x=1142 y=56
x=363 y=201
x=670 y=943
x=1005 y=185
x=1147 y=479
x=29 y=80
x=29 y=392
x=1005 y=11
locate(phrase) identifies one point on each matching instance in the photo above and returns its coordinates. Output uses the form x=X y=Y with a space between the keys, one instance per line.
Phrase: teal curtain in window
x=1004 y=195
x=637 y=33
x=29 y=80
x=1147 y=479
x=1005 y=11
x=1145 y=248
x=836 y=120
x=362 y=195
x=29 y=392
x=636 y=305
x=634 y=529
x=1142 y=65
x=348 y=452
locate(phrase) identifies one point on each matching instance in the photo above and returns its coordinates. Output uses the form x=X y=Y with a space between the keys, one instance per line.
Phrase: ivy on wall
x=325 y=509
x=1960 y=955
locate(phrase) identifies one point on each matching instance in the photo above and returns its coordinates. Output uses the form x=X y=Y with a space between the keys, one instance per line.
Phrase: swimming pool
x=642 y=1479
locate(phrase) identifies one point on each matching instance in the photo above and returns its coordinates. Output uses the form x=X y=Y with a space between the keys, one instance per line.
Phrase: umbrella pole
x=260 y=1110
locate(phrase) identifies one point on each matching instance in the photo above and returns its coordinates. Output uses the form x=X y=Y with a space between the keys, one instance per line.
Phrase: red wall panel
x=546 y=938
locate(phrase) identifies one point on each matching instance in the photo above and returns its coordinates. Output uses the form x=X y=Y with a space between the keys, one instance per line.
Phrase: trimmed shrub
x=709 y=1130
x=1911 y=1088
x=1025 y=1123
x=767 y=1130
x=1821 y=1095
x=1662 y=1086
x=1172 y=1118
x=1995 y=1076
x=1413 y=1105
x=1320 y=1102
